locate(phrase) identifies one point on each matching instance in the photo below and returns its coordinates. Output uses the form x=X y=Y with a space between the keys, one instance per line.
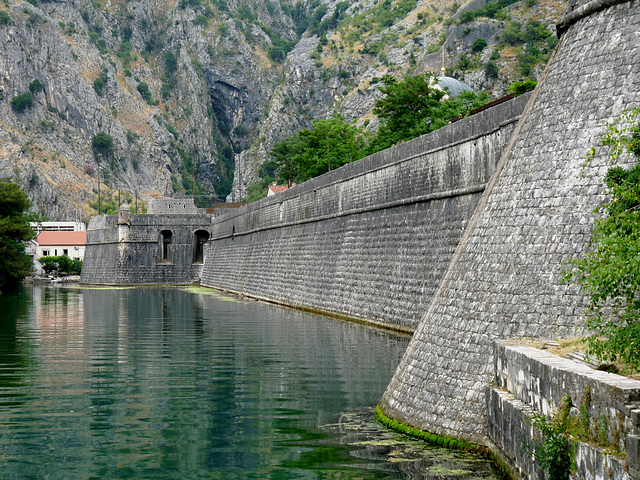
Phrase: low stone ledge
x=529 y=380
x=510 y=432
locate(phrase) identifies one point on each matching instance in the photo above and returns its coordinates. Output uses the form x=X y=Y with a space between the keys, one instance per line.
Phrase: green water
x=168 y=383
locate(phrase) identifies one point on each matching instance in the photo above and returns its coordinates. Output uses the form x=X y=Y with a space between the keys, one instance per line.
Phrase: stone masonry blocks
x=537 y=214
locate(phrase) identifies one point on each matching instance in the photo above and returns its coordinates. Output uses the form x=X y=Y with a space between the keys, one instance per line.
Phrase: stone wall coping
x=627 y=386
x=109 y=221
x=575 y=13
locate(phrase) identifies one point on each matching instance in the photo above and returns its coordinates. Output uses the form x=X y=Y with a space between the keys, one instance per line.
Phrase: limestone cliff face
x=47 y=146
x=197 y=88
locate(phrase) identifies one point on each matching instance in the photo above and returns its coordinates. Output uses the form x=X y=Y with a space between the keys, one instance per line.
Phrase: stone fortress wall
x=461 y=235
x=505 y=278
x=171 y=206
x=129 y=249
x=372 y=239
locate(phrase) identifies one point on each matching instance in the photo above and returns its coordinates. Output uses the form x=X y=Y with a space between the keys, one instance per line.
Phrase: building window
x=65 y=252
x=166 y=237
x=200 y=237
x=45 y=253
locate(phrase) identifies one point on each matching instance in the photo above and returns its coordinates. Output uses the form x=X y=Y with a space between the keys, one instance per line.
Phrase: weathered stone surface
x=172 y=206
x=372 y=239
x=528 y=381
x=131 y=254
x=537 y=212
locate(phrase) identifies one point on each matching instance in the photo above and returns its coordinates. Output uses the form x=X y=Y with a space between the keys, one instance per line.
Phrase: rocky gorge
x=193 y=94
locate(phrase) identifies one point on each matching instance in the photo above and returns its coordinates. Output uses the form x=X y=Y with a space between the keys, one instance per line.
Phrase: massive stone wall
x=505 y=278
x=129 y=251
x=372 y=239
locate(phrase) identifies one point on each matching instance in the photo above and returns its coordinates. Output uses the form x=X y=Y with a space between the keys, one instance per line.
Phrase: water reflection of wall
x=143 y=346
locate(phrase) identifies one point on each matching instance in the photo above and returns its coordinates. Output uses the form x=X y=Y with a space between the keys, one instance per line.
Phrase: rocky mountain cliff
x=202 y=89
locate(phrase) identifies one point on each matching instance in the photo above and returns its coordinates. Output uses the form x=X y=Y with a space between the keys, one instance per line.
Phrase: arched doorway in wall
x=166 y=237
x=200 y=237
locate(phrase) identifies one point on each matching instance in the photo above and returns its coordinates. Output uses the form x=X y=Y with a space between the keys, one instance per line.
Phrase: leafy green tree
x=406 y=104
x=100 y=83
x=76 y=266
x=36 y=86
x=524 y=86
x=415 y=106
x=143 y=88
x=479 y=45
x=21 y=102
x=62 y=265
x=512 y=35
x=102 y=144
x=49 y=264
x=534 y=31
x=609 y=272
x=285 y=158
x=491 y=70
x=277 y=54
x=14 y=231
x=329 y=144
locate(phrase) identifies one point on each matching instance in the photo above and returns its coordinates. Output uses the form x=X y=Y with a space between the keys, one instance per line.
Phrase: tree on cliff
x=14 y=231
x=102 y=144
x=609 y=273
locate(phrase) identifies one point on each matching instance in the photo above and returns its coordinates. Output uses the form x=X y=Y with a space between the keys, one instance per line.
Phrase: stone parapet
x=171 y=206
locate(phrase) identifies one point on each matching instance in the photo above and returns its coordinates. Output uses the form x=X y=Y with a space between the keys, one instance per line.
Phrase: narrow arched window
x=200 y=237
x=166 y=236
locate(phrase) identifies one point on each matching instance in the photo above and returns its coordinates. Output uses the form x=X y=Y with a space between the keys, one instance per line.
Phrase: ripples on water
x=168 y=383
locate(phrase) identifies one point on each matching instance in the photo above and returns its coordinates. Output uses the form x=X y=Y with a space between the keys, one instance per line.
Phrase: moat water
x=172 y=383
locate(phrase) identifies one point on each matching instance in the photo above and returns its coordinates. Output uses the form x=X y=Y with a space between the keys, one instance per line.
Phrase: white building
x=57 y=243
x=58 y=226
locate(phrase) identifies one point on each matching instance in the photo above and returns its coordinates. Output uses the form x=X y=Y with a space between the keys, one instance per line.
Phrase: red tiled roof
x=62 y=238
x=278 y=188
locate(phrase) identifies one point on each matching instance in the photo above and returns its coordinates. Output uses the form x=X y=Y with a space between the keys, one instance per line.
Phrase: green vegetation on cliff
x=199 y=76
x=410 y=107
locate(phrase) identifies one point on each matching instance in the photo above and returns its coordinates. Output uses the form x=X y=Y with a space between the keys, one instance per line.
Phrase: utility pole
x=240 y=182
x=99 y=204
